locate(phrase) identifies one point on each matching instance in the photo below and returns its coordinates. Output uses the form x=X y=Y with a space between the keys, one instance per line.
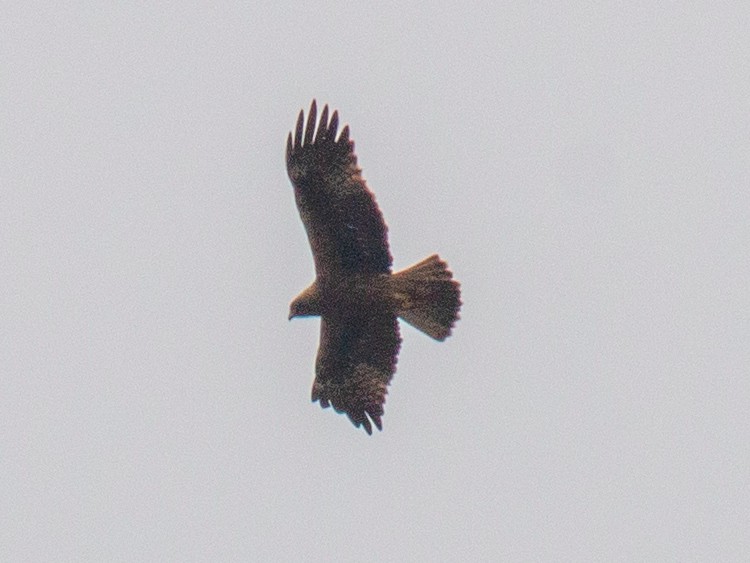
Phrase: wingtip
x=323 y=125
x=344 y=138
x=333 y=125
x=367 y=426
x=310 y=128
x=298 y=129
x=304 y=131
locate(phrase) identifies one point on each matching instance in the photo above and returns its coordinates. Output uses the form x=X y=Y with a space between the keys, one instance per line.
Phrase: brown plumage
x=357 y=297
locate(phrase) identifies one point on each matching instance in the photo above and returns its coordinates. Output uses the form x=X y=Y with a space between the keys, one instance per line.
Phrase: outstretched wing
x=356 y=361
x=343 y=223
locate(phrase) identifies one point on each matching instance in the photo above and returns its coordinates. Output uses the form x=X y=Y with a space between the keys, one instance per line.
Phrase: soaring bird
x=355 y=293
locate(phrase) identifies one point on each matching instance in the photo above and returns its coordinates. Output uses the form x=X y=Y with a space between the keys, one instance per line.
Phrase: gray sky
x=584 y=170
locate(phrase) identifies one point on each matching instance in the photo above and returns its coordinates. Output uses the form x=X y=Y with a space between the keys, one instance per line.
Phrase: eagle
x=356 y=295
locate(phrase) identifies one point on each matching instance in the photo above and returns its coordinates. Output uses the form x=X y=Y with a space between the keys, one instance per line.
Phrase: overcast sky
x=583 y=169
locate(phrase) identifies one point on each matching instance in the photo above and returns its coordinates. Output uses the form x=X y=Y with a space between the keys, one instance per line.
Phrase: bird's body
x=355 y=293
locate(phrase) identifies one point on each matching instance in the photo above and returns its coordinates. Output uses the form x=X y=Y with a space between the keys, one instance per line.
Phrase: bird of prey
x=357 y=297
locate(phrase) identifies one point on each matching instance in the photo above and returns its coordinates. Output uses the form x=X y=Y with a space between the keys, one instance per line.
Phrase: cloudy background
x=584 y=170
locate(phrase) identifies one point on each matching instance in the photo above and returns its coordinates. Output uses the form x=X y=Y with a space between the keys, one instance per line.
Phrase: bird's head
x=306 y=304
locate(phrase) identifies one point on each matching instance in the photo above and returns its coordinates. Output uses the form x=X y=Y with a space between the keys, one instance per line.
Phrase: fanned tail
x=428 y=296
